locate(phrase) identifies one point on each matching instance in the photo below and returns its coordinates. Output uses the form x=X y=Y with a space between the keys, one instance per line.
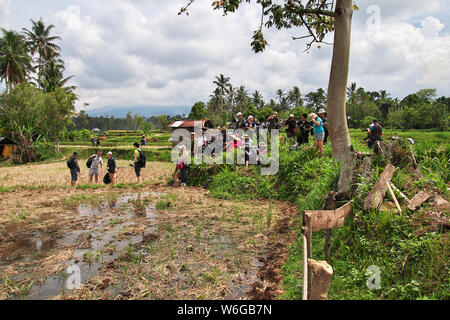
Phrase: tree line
x=37 y=102
x=419 y=110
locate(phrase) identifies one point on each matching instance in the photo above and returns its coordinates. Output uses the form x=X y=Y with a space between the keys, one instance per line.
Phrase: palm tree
x=15 y=61
x=40 y=41
x=216 y=102
x=223 y=84
x=257 y=99
x=295 y=97
x=351 y=90
x=241 y=98
x=231 y=98
x=53 y=77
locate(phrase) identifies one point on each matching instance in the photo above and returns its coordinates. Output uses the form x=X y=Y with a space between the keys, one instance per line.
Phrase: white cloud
x=4 y=12
x=402 y=58
x=141 y=53
x=431 y=27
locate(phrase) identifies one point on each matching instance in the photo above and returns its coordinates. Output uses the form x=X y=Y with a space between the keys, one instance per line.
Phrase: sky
x=140 y=54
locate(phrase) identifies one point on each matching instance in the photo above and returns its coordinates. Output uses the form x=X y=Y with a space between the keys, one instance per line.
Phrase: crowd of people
x=297 y=134
x=95 y=166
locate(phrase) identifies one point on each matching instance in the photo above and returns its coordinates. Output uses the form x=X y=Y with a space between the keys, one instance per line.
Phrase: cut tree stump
x=417 y=201
x=323 y=273
x=378 y=192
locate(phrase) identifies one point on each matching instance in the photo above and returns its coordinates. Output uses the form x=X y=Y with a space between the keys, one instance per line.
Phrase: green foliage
x=198 y=111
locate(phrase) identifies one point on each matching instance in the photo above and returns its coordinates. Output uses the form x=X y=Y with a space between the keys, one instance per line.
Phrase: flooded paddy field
x=152 y=242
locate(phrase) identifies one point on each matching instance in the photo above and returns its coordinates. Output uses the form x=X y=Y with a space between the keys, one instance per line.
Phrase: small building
x=189 y=124
x=7 y=147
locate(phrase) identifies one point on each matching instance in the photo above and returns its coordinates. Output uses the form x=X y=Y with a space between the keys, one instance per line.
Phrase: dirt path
x=157 y=242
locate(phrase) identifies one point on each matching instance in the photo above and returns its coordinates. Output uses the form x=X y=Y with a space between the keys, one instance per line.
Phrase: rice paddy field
x=157 y=241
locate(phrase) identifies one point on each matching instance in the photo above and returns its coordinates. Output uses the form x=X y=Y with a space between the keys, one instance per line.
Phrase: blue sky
x=141 y=53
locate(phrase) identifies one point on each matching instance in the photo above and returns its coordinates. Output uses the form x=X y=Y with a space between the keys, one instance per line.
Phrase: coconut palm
x=241 y=98
x=223 y=84
x=53 y=77
x=295 y=97
x=257 y=99
x=40 y=42
x=15 y=60
x=351 y=89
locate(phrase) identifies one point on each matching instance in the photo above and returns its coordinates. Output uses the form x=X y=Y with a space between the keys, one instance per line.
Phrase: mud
x=195 y=248
x=101 y=234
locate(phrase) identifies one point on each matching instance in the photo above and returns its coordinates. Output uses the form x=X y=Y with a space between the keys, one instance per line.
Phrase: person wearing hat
x=291 y=125
x=112 y=167
x=375 y=132
x=240 y=122
x=323 y=116
x=319 y=132
x=75 y=170
x=250 y=124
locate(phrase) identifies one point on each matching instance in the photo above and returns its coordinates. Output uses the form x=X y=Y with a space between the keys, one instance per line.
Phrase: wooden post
x=323 y=274
x=331 y=198
x=305 y=267
x=308 y=234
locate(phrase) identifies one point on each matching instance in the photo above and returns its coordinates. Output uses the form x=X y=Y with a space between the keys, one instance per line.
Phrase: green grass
x=413 y=265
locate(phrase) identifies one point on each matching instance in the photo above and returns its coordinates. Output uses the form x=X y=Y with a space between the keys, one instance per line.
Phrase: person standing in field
x=138 y=162
x=319 y=132
x=75 y=170
x=291 y=127
x=112 y=167
x=304 y=128
x=323 y=116
x=96 y=168
x=374 y=133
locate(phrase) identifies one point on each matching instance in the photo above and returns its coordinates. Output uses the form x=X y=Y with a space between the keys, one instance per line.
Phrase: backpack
x=142 y=159
x=107 y=179
x=71 y=163
x=89 y=162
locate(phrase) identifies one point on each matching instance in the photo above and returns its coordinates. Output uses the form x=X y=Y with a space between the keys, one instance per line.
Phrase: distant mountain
x=120 y=112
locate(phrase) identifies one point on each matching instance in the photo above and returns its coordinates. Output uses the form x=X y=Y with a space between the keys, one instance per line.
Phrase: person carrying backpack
x=95 y=165
x=139 y=161
x=75 y=170
x=375 y=132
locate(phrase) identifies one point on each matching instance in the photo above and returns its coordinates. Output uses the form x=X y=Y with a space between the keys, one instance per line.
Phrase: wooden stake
x=399 y=192
x=309 y=248
x=323 y=274
x=394 y=197
x=305 y=268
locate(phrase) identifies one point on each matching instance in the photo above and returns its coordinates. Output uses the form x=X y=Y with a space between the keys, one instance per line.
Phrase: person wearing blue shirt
x=319 y=132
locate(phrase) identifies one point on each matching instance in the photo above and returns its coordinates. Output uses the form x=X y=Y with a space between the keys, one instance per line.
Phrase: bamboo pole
x=394 y=197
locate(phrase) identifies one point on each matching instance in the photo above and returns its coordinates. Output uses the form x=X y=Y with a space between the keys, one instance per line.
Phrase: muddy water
x=98 y=235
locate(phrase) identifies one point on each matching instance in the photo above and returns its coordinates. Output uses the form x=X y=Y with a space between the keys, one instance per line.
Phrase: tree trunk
x=337 y=87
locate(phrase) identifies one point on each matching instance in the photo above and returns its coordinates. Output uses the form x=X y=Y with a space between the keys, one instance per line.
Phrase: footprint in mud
x=102 y=233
